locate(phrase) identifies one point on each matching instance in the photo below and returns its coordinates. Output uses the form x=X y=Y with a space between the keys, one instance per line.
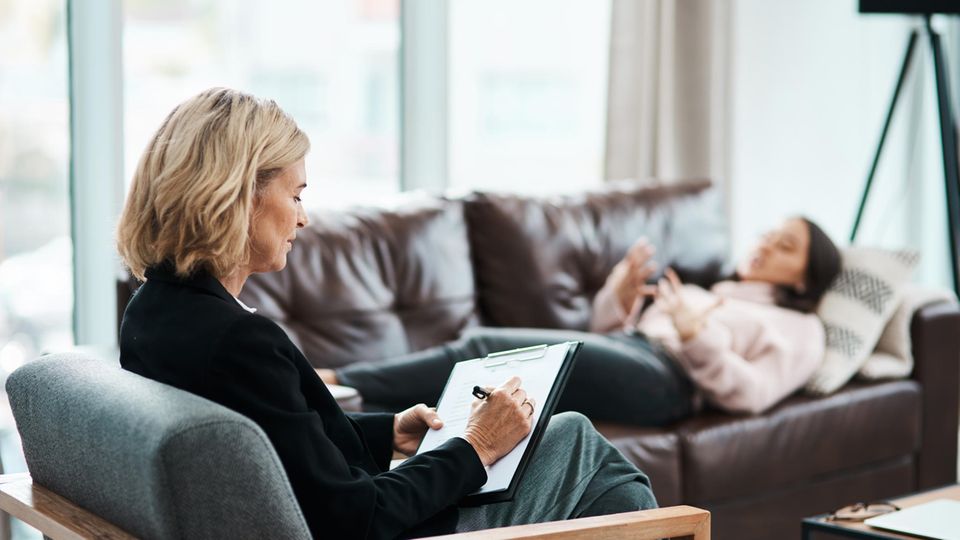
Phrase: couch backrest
x=539 y=261
x=367 y=284
x=156 y=461
x=373 y=283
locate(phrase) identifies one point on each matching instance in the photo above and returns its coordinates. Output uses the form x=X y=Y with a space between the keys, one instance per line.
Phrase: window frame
x=95 y=83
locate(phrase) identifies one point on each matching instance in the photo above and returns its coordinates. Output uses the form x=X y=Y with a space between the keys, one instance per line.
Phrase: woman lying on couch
x=216 y=197
x=743 y=345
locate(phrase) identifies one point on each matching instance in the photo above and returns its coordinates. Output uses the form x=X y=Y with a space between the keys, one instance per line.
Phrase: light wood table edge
x=670 y=522
x=50 y=513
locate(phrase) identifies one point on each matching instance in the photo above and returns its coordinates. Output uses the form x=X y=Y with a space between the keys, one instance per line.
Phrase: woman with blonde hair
x=215 y=198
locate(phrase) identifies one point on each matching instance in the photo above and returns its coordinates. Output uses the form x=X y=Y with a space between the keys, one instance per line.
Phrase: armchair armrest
x=50 y=513
x=60 y=519
x=670 y=522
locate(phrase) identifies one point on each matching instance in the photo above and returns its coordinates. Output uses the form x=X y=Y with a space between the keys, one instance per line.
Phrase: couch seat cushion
x=803 y=438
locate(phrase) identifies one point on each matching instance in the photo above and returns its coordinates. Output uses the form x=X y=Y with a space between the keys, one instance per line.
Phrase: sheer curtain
x=667 y=108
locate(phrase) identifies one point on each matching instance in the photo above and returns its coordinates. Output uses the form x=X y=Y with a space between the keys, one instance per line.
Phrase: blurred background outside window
x=36 y=263
x=333 y=65
x=527 y=94
x=35 y=257
x=524 y=107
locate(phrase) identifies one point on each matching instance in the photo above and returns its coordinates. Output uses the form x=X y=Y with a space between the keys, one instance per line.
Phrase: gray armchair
x=128 y=454
x=154 y=460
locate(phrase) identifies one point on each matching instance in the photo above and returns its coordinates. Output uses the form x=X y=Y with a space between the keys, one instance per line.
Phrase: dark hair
x=823 y=266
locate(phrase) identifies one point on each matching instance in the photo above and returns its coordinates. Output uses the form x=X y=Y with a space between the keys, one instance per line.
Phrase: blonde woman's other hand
x=411 y=425
x=328 y=376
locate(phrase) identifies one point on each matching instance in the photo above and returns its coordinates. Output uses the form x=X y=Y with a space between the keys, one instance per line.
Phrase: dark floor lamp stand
x=948 y=141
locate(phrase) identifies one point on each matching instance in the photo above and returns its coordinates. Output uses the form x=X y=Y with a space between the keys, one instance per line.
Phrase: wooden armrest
x=50 y=513
x=670 y=522
x=60 y=519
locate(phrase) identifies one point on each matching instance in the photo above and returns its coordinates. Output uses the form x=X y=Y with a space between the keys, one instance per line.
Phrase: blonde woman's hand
x=687 y=320
x=500 y=421
x=630 y=275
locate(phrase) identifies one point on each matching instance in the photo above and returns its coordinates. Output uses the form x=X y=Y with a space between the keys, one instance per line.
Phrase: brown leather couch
x=373 y=283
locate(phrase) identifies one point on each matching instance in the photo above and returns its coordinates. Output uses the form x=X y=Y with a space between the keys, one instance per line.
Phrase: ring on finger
x=528 y=402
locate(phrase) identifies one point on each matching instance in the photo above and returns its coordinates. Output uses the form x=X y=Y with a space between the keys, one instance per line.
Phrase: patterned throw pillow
x=855 y=309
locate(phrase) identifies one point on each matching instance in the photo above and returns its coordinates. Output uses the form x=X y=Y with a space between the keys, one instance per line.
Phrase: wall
x=811 y=83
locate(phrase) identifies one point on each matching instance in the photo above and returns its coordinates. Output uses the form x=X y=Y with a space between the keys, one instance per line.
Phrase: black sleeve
x=254 y=373
x=377 y=429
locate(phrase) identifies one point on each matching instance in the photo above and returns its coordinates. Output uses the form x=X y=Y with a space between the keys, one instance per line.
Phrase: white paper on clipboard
x=537 y=367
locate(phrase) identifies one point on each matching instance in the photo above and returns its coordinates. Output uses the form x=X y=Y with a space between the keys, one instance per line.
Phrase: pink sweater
x=749 y=355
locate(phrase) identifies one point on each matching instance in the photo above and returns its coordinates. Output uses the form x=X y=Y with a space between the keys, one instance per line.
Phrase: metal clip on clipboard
x=514 y=355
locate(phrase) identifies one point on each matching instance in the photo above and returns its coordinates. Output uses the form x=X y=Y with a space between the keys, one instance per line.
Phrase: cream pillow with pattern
x=855 y=309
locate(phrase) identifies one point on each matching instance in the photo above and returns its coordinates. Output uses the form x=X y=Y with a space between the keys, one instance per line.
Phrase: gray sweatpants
x=574 y=472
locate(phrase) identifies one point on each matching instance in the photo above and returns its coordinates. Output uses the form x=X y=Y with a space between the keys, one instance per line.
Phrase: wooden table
x=855 y=529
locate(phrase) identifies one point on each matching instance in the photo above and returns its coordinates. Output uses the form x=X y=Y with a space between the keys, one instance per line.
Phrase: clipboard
x=543 y=370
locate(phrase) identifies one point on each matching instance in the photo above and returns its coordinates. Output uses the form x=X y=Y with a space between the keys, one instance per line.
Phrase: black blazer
x=192 y=334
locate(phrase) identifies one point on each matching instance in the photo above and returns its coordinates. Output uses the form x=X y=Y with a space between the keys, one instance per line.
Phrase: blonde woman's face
x=277 y=215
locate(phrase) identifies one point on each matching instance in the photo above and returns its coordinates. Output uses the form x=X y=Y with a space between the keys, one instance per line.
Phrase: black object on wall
x=917 y=7
x=948 y=129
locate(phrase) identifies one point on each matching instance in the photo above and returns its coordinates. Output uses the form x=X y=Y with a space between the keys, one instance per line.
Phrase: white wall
x=811 y=84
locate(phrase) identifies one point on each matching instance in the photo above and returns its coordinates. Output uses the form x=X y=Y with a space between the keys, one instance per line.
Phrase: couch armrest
x=670 y=522
x=935 y=335
x=59 y=518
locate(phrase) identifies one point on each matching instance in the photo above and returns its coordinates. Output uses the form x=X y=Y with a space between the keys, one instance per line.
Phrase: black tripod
x=948 y=141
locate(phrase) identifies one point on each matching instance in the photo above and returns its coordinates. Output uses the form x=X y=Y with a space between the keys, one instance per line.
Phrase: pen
x=480 y=393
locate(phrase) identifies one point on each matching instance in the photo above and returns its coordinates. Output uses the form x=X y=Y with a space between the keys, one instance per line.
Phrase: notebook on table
x=938 y=519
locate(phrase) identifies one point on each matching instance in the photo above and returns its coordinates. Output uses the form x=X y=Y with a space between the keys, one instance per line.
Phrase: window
x=525 y=110
x=36 y=279
x=332 y=65
x=527 y=93
x=36 y=272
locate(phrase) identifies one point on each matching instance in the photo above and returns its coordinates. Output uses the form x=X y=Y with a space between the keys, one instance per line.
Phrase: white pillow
x=855 y=310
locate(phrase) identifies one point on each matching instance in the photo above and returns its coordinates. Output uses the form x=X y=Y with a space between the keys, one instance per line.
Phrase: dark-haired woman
x=741 y=346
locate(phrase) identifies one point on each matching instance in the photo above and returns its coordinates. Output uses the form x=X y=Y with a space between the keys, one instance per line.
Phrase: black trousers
x=617 y=377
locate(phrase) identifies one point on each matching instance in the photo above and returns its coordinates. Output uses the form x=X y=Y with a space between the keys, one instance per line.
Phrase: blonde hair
x=191 y=198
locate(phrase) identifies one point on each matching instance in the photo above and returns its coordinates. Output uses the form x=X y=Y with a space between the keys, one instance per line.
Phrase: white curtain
x=667 y=104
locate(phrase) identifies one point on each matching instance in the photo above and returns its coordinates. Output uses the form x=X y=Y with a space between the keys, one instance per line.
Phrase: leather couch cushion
x=368 y=284
x=803 y=438
x=778 y=514
x=656 y=452
x=540 y=260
